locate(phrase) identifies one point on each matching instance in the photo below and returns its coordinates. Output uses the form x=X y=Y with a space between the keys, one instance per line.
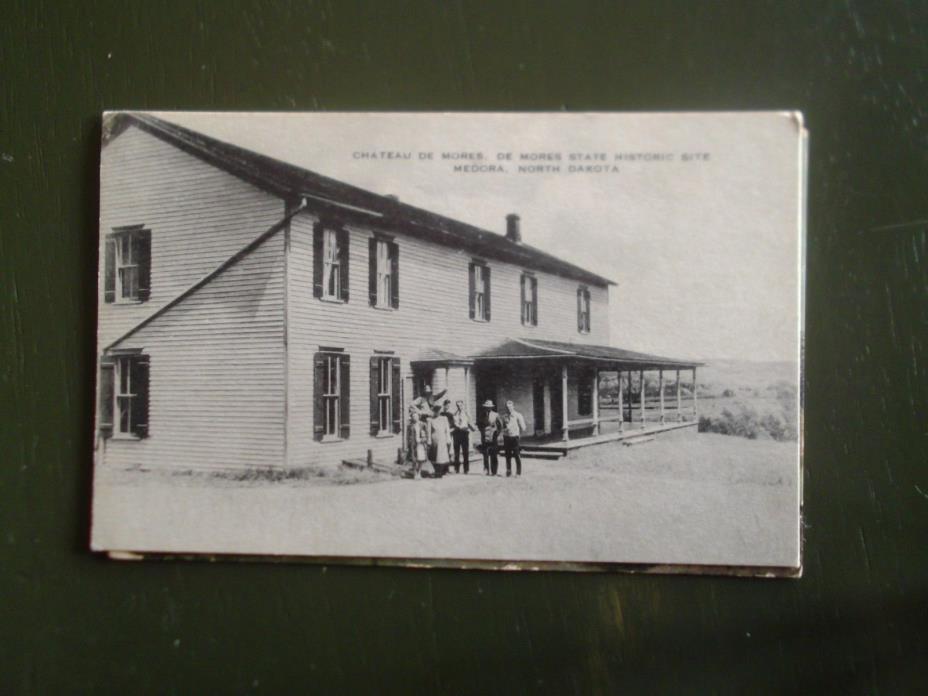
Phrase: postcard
x=468 y=340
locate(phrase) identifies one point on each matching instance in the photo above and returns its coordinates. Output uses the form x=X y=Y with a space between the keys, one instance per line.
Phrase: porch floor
x=553 y=443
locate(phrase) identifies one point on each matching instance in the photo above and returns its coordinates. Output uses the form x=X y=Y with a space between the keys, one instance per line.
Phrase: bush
x=747 y=423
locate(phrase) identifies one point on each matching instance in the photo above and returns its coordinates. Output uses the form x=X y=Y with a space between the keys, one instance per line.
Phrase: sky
x=702 y=240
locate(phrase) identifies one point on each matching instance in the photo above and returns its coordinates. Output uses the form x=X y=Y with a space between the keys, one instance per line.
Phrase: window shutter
x=107 y=395
x=318 y=407
x=142 y=242
x=372 y=271
x=375 y=384
x=345 y=396
x=487 y=285
x=395 y=272
x=109 y=270
x=522 y=297
x=472 y=269
x=317 y=260
x=396 y=382
x=140 y=382
x=342 y=236
x=535 y=301
x=588 y=306
x=580 y=310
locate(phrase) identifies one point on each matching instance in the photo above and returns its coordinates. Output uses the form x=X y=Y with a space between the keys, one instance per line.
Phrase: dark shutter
x=372 y=271
x=487 y=286
x=580 y=310
x=472 y=269
x=395 y=272
x=375 y=384
x=522 y=298
x=140 y=381
x=107 y=387
x=535 y=301
x=109 y=270
x=318 y=406
x=342 y=236
x=317 y=260
x=588 y=309
x=141 y=240
x=345 y=396
x=396 y=382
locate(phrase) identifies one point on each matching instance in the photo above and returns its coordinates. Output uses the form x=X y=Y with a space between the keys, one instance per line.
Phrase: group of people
x=439 y=436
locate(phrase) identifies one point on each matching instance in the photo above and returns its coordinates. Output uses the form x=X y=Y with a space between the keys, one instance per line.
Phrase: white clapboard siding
x=217 y=383
x=198 y=215
x=433 y=313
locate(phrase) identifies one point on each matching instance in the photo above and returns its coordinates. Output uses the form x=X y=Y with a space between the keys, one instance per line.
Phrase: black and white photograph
x=496 y=340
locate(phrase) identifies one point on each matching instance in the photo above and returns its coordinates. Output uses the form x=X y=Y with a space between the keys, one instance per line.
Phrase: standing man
x=489 y=435
x=513 y=427
x=460 y=434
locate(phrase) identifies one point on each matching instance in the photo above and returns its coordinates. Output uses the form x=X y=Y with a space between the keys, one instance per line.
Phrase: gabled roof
x=514 y=349
x=332 y=196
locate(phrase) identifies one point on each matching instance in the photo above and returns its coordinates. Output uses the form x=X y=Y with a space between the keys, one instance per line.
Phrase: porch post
x=695 y=409
x=621 y=407
x=660 y=384
x=641 y=395
x=467 y=390
x=564 y=426
x=596 y=401
x=679 y=412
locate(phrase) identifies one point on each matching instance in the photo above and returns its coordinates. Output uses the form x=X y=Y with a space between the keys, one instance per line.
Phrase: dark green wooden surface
x=856 y=622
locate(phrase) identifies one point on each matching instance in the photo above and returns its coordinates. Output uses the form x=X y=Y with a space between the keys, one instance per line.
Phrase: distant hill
x=734 y=374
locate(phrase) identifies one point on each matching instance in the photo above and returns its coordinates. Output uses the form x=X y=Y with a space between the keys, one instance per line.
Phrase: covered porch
x=572 y=394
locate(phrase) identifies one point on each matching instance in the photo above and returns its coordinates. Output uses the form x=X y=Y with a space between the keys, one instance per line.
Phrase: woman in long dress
x=441 y=441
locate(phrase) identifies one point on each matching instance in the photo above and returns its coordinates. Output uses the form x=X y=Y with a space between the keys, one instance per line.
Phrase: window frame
x=480 y=292
x=584 y=310
x=125 y=258
x=383 y=268
x=122 y=393
x=529 y=299
x=331 y=397
x=385 y=389
x=331 y=262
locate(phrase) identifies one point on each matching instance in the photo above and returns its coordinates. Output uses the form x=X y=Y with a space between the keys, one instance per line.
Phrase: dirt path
x=699 y=499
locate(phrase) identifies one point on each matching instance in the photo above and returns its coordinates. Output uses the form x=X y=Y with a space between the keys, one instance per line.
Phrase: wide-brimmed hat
x=488 y=404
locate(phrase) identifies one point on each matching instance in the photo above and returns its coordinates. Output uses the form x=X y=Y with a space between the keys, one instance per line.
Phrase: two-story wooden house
x=255 y=314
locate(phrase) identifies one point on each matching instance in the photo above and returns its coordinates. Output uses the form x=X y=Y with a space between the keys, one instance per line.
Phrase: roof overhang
x=522 y=350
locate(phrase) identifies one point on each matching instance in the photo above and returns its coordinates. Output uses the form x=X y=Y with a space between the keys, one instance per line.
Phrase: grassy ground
x=694 y=498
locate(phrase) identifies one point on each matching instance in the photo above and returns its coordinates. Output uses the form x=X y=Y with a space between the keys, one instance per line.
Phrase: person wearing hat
x=489 y=437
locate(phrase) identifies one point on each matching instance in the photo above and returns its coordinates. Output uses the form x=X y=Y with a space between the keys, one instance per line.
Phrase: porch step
x=548 y=456
x=640 y=440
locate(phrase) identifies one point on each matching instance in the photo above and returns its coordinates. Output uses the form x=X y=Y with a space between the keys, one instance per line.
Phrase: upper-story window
x=479 y=291
x=583 y=309
x=529 y=291
x=384 y=273
x=330 y=263
x=127 y=265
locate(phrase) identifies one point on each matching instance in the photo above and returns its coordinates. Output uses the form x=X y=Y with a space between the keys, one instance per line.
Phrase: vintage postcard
x=498 y=340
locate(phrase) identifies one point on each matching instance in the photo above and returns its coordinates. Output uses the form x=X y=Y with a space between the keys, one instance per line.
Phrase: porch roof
x=443 y=357
x=523 y=349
